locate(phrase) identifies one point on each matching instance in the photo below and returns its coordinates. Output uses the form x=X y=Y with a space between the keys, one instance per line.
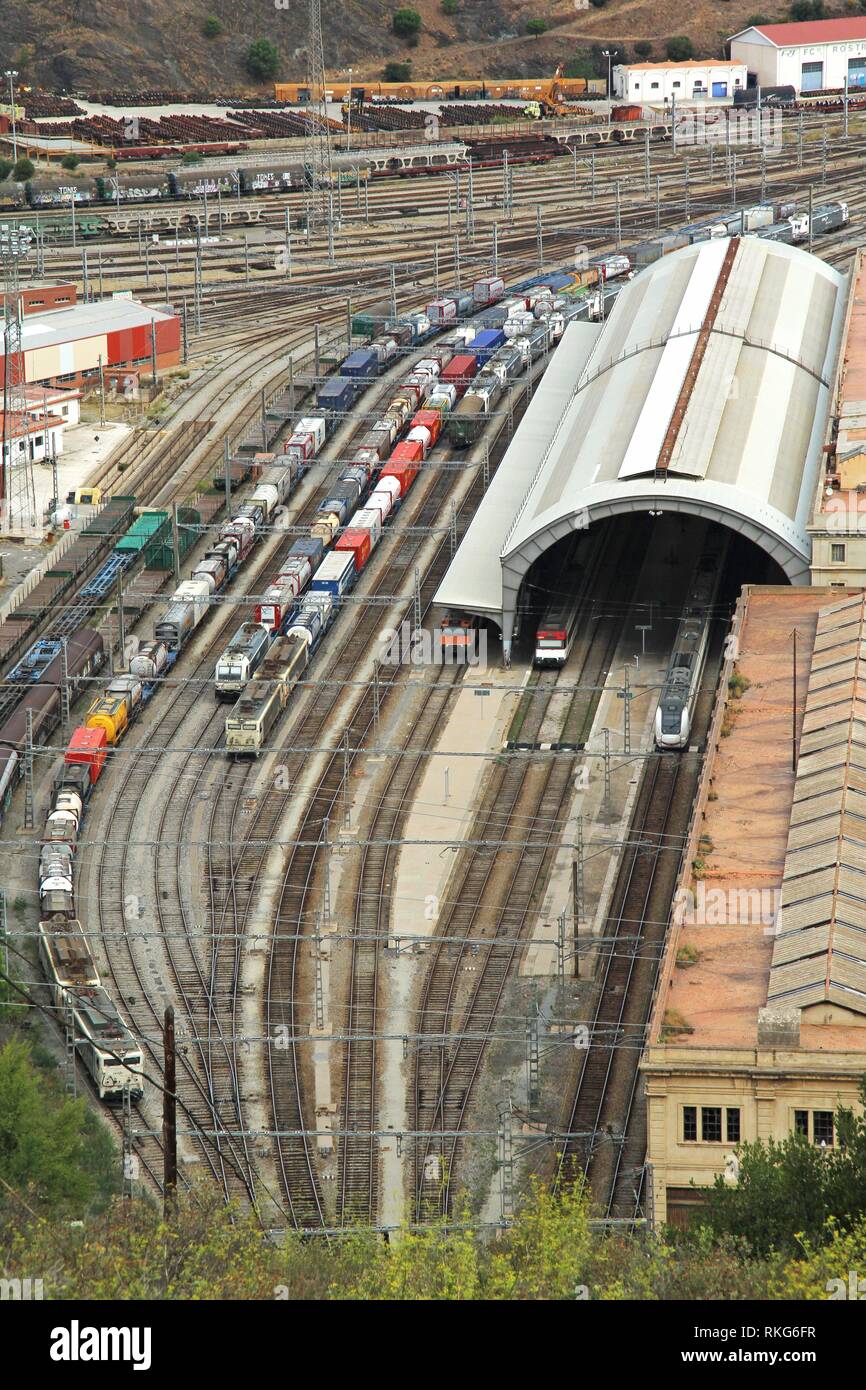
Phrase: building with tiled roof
x=816 y=55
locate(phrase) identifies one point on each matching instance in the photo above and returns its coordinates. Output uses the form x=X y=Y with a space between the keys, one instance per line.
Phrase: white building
x=35 y=435
x=817 y=55
x=660 y=82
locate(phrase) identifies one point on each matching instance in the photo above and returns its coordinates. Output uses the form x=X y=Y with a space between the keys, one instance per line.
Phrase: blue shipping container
x=337 y=394
x=335 y=574
x=310 y=547
x=486 y=343
x=362 y=363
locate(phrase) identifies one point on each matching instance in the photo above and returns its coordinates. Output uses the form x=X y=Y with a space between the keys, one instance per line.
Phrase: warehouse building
x=69 y=347
x=816 y=55
x=759 y=1024
x=693 y=81
x=704 y=393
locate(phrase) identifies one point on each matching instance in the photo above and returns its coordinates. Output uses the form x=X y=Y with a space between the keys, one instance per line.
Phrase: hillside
x=92 y=45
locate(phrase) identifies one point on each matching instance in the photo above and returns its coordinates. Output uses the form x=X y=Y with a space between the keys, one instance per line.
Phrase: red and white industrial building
x=71 y=346
x=816 y=55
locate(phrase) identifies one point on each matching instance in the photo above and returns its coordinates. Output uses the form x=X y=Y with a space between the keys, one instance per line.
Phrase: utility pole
x=169 y=1117
x=811 y=199
x=228 y=476
x=457 y=262
x=288 y=246
x=121 y=622
x=793 y=703
x=539 y=241
x=393 y=276
x=506 y=1164
x=417 y=600
x=495 y=248
x=618 y=217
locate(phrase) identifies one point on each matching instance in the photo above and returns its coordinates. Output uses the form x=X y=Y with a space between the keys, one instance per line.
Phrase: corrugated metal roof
x=57 y=326
x=820 y=951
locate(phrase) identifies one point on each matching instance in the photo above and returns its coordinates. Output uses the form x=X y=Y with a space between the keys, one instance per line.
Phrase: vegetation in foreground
x=794 y=1223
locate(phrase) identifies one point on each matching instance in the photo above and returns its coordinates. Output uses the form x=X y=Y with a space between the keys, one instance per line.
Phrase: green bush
x=449 y=6
x=397 y=72
x=5 y=169
x=679 y=49
x=212 y=27
x=70 y=161
x=406 y=23
x=263 y=60
x=24 y=170
x=536 y=27
x=643 y=48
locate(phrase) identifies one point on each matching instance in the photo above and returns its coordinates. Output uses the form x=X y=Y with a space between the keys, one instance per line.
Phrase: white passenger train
x=673 y=721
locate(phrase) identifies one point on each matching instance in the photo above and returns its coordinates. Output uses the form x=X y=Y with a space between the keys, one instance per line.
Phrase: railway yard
x=413 y=945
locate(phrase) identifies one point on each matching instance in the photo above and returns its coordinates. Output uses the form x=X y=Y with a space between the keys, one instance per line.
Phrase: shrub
x=70 y=161
x=24 y=170
x=679 y=49
x=263 y=60
x=643 y=48
x=406 y=23
x=5 y=169
x=397 y=72
x=212 y=27
x=449 y=6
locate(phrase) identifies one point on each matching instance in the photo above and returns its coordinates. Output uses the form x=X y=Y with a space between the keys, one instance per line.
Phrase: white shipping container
x=429 y=365
x=387 y=424
x=150 y=661
x=383 y=500
x=488 y=288
x=315 y=426
x=128 y=687
x=300 y=446
x=369 y=519
x=756 y=217
x=442 y=311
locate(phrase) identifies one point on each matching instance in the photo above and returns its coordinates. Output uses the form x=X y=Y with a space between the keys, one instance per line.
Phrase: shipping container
x=430 y=420
x=175 y=625
x=361 y=364
x=266 y=495
x=213 y=570
x=87 y=747
x=486 y=342
x=128 y=688
x=459 y=372
x=385 y=349
x=358 y=472
x=443 y=399
x=368 y=519
x=488 y=289
x=441 y=312
x=337 y=395
x=299 y=447
x=335 y=575
x=111 y=714
x=387 y=425
x=357 y=541
x=325 y=526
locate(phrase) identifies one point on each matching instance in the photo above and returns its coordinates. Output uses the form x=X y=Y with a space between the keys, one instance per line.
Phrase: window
x=711 y=1123
x=811 y=77
x=837 y=554
x=816 y=1125
x=690 y=1123
x=733 y=1126
x=822 y=1127
x=676 y=84
x=654 y=86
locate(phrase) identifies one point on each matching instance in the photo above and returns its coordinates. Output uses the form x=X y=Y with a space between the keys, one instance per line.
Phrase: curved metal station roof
x=705 y=392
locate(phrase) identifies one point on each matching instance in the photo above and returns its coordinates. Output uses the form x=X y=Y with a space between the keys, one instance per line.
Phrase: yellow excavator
x=549 y=102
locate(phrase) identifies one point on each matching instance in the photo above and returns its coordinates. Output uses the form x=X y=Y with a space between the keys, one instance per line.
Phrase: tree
x=24 y=170
x=643 y=48
x=536 y=27
x=5 y=169
x=406 y=23
x=212 y=27
x=788 y=1192
x=42 y=1153
x=679 y=49
x=263 y=60
x=70 y=161
x=449 y=6
x=397 y=72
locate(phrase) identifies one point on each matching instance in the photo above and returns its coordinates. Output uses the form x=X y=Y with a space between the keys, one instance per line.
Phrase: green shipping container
x=159 y=555
x=145 y=529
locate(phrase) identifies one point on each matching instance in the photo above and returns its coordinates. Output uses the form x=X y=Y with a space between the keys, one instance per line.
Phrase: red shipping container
x=432 y=421
x=407 y=451
x=358 y=542
x=410 y=389
x=404 y=470
x=460 y=371
x=88 y=746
